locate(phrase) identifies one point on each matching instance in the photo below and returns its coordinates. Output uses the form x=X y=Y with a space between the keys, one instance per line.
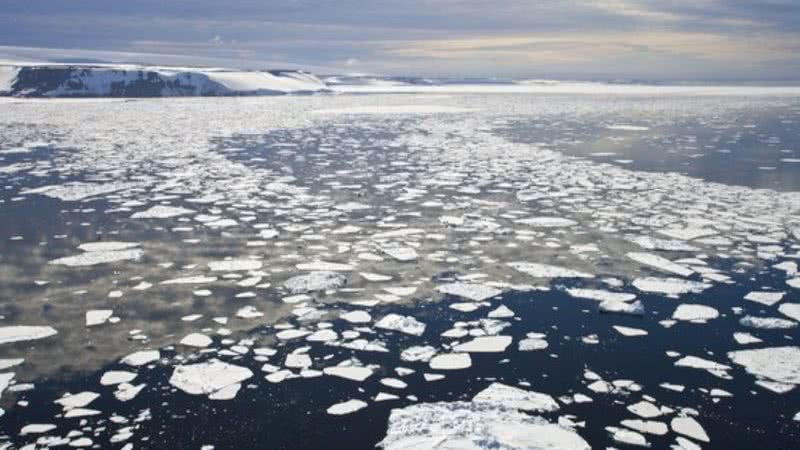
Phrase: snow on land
x=126 y=80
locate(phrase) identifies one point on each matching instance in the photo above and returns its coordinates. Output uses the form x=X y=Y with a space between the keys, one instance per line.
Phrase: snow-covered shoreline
x=104 y=80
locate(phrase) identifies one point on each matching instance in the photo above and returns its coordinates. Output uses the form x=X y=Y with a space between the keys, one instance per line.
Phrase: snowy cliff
x=145 y=81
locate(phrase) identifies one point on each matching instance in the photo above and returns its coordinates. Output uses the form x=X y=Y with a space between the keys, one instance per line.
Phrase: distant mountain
x=122 y=80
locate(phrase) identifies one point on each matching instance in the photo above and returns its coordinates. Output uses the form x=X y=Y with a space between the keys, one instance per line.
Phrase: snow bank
x=144 y=81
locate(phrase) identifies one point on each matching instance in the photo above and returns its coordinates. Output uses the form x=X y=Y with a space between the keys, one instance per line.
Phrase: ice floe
x=208 y=378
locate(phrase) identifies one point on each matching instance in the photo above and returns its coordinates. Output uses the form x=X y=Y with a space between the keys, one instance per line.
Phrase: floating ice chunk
x=627 y=127
x=36 y=428
x=694 y=313
x=325 y=335
x=355 y=373
x=161 y=212
x=779 y=364
x=234 y=265
x=348 y=407
x=547 y=222
x=404 y=324
x=107 y=246
x=196 y=340
x=383 y=396
x=475 y=292
x=199 y=279
x=791 y=310
x=628 y=331
x=635 y=309
x=661 y=244
x=689 y=427
x=17 y=333
x=694 y=362
x=474 y=425
x=629 y=437
x=646 y=426
x=78 y=400
x=290 y=334
x=141 y=358
x=298 y=361
x=315 y=281
x=451 y=361
x=70 y=192
x=207 y=377
x=485 y=344
x=645 y=410
x=687 y=234
x=400 y=253
x=502 y=312
x=351 y=206
x=601 y=295
x=660 y=263
x=669 y=286
x=767 y=323
x=745 y=338
x=765 y=298
x=531 y=344
x=375 y=276
x=324 y=266
x=511 y=397
x=7 y=363
x=394 y=383
x=98 y=257
x=113 y=377
x=547 y=271
x=395 y=109
x=356 y=317
x=418 y=353
x=98 y=316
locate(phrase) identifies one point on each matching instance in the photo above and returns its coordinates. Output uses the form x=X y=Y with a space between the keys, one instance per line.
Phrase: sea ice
x=208 y=377
x=17 y=333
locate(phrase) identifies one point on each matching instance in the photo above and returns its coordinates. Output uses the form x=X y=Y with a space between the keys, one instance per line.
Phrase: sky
x=576 y=39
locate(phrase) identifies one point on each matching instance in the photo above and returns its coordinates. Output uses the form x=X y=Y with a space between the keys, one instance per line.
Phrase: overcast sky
x=665 y=39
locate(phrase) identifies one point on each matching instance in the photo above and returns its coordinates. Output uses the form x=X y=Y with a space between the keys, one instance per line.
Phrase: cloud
x=622 y=38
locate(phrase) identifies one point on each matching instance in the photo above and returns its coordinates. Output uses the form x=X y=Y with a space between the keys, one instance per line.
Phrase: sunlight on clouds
x=560 y=47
